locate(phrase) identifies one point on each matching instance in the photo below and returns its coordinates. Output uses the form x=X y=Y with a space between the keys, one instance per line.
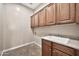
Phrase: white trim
x=17 y=47
x=37 y=44
x=2 y=53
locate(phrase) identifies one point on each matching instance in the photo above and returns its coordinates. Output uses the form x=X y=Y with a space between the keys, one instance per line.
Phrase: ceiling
x=32 y=5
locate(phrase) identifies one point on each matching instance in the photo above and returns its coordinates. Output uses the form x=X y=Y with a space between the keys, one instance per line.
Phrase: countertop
x=71 y=43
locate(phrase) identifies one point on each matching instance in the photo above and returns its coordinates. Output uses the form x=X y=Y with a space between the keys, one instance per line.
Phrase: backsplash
x=65 y=29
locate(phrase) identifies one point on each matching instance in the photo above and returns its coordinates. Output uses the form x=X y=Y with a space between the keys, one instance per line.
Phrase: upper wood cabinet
x=77 y=12
x=42 y=17
x=36 y=20
x=56 y=13
x=32 y=21
x=50 y=14
x=65 y=12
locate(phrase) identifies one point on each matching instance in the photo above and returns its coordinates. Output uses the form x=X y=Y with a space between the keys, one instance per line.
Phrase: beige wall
x=17 y=29
x=65 y=29
x=1 y=29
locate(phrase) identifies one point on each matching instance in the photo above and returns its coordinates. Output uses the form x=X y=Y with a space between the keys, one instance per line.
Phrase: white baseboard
x=17 y=47
x=37 y=44
x=0 y=52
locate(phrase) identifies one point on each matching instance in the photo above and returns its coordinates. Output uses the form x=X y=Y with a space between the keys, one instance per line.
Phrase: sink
x=58 y=39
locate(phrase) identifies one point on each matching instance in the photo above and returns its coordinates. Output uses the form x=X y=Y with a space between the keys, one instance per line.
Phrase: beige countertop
x=64 y=41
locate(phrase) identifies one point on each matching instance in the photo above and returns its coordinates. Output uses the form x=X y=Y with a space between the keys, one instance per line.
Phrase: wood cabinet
x=32 y=21
x=65 y=13
x=46 y=50
x=54 y=49
x=56 y=13
x=42 y=17
x=65 y=49
x=77 y=52
x=36 y=20
x=58 y=53
x=50 y=14
x=77 y=12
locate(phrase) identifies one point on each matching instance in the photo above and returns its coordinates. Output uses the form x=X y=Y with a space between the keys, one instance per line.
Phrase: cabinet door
x=46 y=48
x=63 y=48
x=32 y=21
x=65 y=13
x=50 y=14
x=58 y=53
x=36 y=20
x=77 y=12
x=77 y=52
x=42 y=17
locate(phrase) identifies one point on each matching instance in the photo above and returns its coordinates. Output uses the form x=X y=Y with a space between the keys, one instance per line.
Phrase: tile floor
x=29 y=50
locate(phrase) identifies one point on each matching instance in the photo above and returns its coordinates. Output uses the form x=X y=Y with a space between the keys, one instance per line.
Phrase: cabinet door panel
x=65 y=13
x=36 y=20
x=46 y=48
x=63 y=48
x=58 y=53
x=50 y=14
x=72 y=12
x=77 y=52
x=46 y=51
x=77 y=13
x=47 y=42
x=42 y=17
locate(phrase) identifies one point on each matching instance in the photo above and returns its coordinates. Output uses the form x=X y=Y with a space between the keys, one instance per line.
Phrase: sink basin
x=58 y=39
